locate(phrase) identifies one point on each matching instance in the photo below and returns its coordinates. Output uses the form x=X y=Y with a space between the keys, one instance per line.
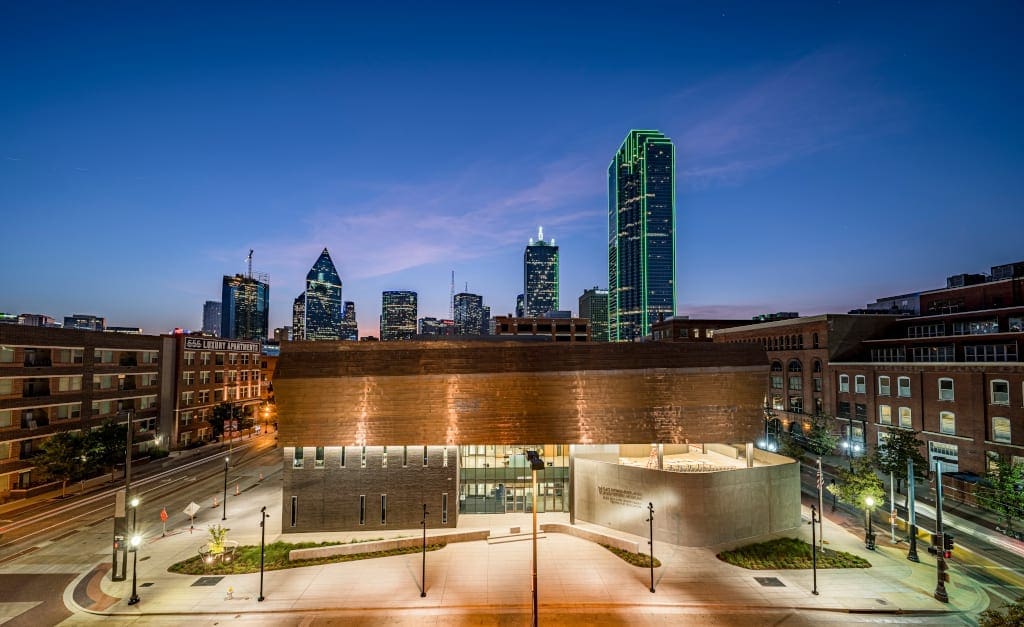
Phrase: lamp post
x=423 y=575
x=940 y=557
x=136 y=541
x=650 y=520
x=225 y=516
x=911 y=519
x=263 y=540
x=766 y=443
x=814 y=550
x=869 y=539
x=536 y=463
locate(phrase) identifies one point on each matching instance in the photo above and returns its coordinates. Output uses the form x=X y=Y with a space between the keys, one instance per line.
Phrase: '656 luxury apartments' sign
x=211 y=344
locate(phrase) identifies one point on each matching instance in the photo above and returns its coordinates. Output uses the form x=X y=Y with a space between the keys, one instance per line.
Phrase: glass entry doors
x=497 y=479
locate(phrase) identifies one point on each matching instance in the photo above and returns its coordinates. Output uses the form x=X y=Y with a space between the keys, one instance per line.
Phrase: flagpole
x=821 y=507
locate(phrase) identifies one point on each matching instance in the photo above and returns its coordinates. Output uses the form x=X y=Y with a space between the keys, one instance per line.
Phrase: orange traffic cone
x=261 y=476
x=215 y=501
x=236 y=490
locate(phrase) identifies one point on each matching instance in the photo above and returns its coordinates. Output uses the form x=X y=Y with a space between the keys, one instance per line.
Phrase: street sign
x=163 y=515
x=191 y=510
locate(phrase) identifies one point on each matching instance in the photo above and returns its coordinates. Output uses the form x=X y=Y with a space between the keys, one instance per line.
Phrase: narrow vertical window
x=424 y=455
x=318 y=461
x=444 y=508
x=297 y=458
x=383 y=509
x=343 y=457
x=362 y=509
x=295 y=508
x=384 y=458
x=444 y=458
x=362 y=458
x=405 y=456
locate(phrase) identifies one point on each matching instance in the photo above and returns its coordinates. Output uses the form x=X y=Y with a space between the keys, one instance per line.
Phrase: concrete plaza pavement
x=488 y=582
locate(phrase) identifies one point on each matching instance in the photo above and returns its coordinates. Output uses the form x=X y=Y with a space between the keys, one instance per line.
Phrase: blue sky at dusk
x=828 y=153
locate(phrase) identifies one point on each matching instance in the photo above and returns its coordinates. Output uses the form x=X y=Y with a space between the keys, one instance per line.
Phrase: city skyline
x=830 y=130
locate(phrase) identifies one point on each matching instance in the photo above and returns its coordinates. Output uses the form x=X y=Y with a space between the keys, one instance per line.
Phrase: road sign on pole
x=190 y=511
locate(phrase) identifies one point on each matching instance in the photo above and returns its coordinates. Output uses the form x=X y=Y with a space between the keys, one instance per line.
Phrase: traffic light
x=947 y=545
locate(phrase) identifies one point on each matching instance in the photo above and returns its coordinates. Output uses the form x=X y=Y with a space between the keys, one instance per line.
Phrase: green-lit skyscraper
x=641 y=234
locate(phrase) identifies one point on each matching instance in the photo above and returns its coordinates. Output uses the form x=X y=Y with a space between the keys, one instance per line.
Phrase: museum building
x=373 y=432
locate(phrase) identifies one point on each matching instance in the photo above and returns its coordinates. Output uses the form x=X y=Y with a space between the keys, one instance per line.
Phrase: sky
x=828 y=153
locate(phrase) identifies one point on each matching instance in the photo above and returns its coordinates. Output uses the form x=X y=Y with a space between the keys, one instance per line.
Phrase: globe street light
x=869 y=539
x=136 y=541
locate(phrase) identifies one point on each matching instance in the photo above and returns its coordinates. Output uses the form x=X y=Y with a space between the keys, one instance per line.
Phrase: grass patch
x=636 y=559
x=788 y=553
x=247 y=558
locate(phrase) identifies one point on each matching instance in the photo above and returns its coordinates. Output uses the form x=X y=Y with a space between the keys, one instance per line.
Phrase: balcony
x=33 y=389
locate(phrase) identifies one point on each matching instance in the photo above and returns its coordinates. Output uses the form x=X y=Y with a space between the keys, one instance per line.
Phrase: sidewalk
x=486 y=577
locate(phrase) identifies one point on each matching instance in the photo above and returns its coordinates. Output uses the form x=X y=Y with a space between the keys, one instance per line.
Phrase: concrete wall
x=690 y=509
x=327 y=498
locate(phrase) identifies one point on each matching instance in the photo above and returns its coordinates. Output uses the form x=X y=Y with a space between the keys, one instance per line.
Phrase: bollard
x=236 y=490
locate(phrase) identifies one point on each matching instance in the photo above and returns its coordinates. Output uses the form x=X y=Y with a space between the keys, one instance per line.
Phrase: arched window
x=794 y=366
x=1000 y=392
x=946 y=392
x=800 y=341
x=844 y=383
x=903 y=386
x=776 y=366
x=814 y=340
x=860 y=384
x=947 y=422
x=817 y=365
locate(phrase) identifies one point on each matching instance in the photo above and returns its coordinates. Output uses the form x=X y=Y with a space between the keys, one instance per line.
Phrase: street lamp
x=136 y=541
x=423 y=576
x=869 y=539
x=263 y=539
x=766 y=443
x=650 y=520
x=135 y=505
x=536 y=463
x=225 y=516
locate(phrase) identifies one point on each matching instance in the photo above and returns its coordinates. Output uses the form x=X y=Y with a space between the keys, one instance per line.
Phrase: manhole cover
x=146 y=585
x=770 y=582
x=207 y=581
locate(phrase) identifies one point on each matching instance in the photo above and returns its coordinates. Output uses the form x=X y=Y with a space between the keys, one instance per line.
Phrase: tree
x=856 y=485
x=893 y=452
x=220 y=416
x=820 y=439
x=1000 y=492
x=105 y=446
x=789 y=447
x=1014 y=616
x=61 y=457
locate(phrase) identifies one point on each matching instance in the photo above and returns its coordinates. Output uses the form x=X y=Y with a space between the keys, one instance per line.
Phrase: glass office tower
x=245 y=308
x=398 y=316
x=540 y=276
x=322 y=307
x=593 y=305
x=641 y=234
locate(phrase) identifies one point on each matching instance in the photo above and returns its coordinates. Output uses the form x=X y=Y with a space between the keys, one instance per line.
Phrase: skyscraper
x=469 y=314
x=398 y=316
x=299 y=317
x=349 y=326
x=520 y=313
x=245 y=308
x=211 y=317
x=594 y=307
x=322 y=309
x=540 y=276
x=641 y=234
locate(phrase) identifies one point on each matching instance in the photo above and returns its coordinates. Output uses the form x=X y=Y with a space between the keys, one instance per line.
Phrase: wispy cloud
x=739 y=124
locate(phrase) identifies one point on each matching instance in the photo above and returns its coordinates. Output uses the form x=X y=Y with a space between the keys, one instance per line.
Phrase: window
x=1001 y=430
x=444 y=508
x=444 y=457
x=297 y=457
x=860 y=384
x=204 y=359
x=906 y=418
x=817 y=384
x=383 y=509
x=947 y=422
x=795 y=366
x=318 y=459
x=927 y=330
x=362 y=457
x=1015 y=324
x=188 y=377
x=946 y=389
x=405 y=456
x=295 y=509
x=883 y=386
x=885 y=414
x=424 y=456
x=186 y=398
x=861 y=411
x=991 y=352
x=903 y=386
x=384 y=458
x=362 y=509
x=232 y=358
x=844 y=409
x=817 y=365
x=218 y=359
x=796 y=404
x=844 y=383
x=1000 y=392
x=944 y=352
x=796 y=382
x=776 y=366
x=897 y=353
x=776 y=382
x=814 y=340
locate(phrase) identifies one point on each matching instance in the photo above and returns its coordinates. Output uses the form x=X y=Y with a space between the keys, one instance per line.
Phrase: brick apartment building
x=55 y=379
x=558 y=329
x=685 y=329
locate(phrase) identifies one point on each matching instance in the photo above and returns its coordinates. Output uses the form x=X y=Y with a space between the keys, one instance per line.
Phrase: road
x=996 y=569
x=33 y=581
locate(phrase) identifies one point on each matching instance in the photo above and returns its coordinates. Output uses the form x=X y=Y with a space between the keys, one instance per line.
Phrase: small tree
x=1001 y=491
x=61 y=457
x=105 y=446
x=893 y=452
x=855 y=486
x=220 y=416
x=1014 y=616
x=820 y=439
x=789 y=447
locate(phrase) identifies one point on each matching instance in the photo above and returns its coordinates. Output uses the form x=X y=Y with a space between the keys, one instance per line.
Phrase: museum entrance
x=496 y=479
